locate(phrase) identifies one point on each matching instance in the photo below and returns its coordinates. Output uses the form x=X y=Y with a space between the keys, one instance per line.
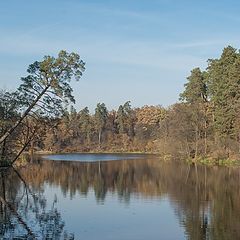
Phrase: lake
x=118 y=196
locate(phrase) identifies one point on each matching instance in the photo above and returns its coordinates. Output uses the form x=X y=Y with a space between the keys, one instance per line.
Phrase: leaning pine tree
x=41 y=96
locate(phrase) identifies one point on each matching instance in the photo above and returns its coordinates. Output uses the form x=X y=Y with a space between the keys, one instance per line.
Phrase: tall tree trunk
x=99 y=137
x=3 y=149
x=24 y=147
x=205 y=137
x=196 y=142
x=205 y=131
x=88 y=139
x=3 y=187
x=188 y=149
x=25 y=114
x=3 y=195
x=32 y=150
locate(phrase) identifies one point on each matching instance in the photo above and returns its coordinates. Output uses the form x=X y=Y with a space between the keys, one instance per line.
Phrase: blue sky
x=137 y=50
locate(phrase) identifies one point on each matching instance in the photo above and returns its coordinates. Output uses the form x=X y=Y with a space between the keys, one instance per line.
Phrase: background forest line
x=204 y=124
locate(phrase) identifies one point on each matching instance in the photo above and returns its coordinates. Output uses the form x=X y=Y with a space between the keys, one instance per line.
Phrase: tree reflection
x=205 y=200
x=23 y=211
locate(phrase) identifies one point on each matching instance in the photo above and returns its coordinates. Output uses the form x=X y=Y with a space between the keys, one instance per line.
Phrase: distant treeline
x=204 y=124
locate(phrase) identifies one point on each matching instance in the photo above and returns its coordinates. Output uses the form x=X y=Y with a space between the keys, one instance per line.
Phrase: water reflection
x=23 y=213
x=205 y=200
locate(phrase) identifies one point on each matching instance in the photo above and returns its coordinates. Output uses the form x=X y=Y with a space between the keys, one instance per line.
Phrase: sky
x=137 y=50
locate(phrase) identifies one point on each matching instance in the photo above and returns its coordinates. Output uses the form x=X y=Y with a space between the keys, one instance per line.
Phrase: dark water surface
x=115 y=196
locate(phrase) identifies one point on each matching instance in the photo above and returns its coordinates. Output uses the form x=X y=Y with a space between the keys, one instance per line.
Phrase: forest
x=203 y=126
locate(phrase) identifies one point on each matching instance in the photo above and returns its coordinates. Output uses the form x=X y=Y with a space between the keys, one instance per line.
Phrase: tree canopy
x=41 y=94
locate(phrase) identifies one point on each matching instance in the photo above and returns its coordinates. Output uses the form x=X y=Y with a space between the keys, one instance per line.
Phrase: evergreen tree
x=224 y=86
x=196 y=95
x=124 y=118
x=101 y=115
x=85 y=124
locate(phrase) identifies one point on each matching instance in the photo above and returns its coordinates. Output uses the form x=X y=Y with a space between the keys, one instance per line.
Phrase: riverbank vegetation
x=203 y=126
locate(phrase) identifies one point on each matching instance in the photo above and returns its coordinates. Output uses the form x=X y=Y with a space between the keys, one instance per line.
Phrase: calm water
x=114 y=196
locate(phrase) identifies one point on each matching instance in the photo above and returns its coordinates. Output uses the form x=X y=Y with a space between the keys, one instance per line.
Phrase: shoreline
x=199 y=161
x=93 y=152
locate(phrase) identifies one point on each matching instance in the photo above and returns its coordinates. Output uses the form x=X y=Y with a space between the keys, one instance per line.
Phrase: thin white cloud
x=194 y=44
x=148 y=54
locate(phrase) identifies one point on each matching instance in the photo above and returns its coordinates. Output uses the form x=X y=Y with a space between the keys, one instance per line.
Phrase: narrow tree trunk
x=205 y=142
x=205 y=183
x=3 y=193
x=188 y=149
x=205 y=111
x=196 y=142
x=10 y=131
x=88 y=139
x=205 y=134
x=3 y=187
x=24 y=147
x=3 y=149
x=32 y=151
x=99 y=137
